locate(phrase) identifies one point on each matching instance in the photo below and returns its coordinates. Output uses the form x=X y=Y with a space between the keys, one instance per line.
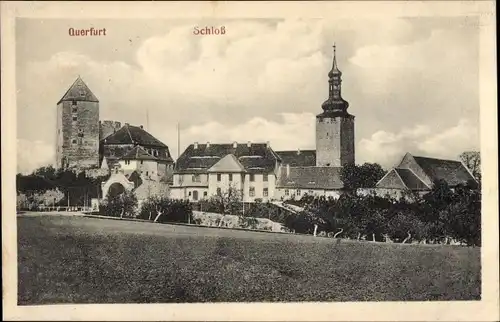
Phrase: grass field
x=64 y=259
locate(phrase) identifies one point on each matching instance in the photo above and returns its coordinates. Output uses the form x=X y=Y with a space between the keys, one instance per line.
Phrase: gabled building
x=204 y=170
x=418 y=174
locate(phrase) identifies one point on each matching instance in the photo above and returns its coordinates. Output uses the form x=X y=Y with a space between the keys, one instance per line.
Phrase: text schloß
x=205 y=31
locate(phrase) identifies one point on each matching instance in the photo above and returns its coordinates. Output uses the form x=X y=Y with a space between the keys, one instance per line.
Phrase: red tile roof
x=79 y=91
x=327 y=178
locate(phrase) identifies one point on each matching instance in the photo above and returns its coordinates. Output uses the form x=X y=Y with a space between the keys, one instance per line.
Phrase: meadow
x=75 y=259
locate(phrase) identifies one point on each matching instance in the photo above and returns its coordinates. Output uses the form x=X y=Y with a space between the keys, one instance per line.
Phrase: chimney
x=268 y=144
x=249 y=144
x=195 y=145
x=208 y=144
x=298 y=151
x=142 y=127
x=288 y=170
x=235 y=145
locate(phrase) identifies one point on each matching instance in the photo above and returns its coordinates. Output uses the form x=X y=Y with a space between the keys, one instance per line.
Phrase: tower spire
x=335 y=102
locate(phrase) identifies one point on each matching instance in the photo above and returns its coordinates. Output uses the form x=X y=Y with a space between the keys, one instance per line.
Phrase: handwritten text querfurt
x=87 y=32
x=207 y=31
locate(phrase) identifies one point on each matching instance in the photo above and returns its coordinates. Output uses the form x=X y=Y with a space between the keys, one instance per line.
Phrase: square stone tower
x=77 y=143
x=335 y=126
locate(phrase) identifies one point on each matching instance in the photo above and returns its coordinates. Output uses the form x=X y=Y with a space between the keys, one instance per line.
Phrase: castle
x=139 y=162
x=260 y=173
x=85 y=142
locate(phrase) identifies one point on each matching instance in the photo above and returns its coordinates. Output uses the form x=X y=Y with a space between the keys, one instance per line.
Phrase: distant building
x=204 y=170
x=418 y=174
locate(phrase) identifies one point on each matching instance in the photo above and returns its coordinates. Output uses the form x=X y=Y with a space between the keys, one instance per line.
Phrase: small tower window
x=75 y=118
x=73 y=141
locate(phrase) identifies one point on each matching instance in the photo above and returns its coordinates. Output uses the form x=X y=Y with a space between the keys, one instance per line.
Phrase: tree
x=472 y=160
x=361 y=176
x=230 y=202
x=121 y=205
x=162 y=209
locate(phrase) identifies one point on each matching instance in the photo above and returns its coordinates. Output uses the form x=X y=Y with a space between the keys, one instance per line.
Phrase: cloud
x=33 y=154
x=388 y=148
x=264 y=81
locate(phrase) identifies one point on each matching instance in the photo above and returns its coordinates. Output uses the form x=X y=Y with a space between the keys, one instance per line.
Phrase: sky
x=412 y=83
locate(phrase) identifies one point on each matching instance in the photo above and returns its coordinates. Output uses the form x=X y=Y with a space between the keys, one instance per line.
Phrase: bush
x=122 y=205
x=164 y=209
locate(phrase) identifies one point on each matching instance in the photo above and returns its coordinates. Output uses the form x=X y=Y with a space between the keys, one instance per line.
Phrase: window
x=287 y=192
x=196 y=178
x=230 y=177
x=251 y=192
x=74 y=109
x=195 y=195
x=298 y=192
x=265 y=192
x=74 y=118
x=189 y=194
x=82 y=93
x=73 y=103
x=127 y=162
x=205 y=194
x=219 y=191
x=219 y=177
x=252 y=177
x=142 y=162
x=147 y=173
x=265 y=177
x=73 y=141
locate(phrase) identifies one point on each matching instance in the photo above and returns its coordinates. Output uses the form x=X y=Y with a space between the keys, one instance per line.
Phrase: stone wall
x=334 y=141
x=78 y=134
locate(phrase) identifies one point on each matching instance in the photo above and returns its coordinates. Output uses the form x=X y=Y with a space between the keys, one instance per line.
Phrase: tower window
x=74 y=118
x=73 y=141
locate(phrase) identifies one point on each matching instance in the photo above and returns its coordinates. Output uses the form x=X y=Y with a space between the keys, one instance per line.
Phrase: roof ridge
x=129 y=134
x=439 y=159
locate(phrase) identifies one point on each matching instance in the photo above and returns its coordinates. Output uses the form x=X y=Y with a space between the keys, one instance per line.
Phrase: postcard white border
x=485 y=310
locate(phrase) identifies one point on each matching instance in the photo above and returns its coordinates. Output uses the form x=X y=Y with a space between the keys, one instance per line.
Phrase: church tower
x=335 y=126
x=77 y=143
